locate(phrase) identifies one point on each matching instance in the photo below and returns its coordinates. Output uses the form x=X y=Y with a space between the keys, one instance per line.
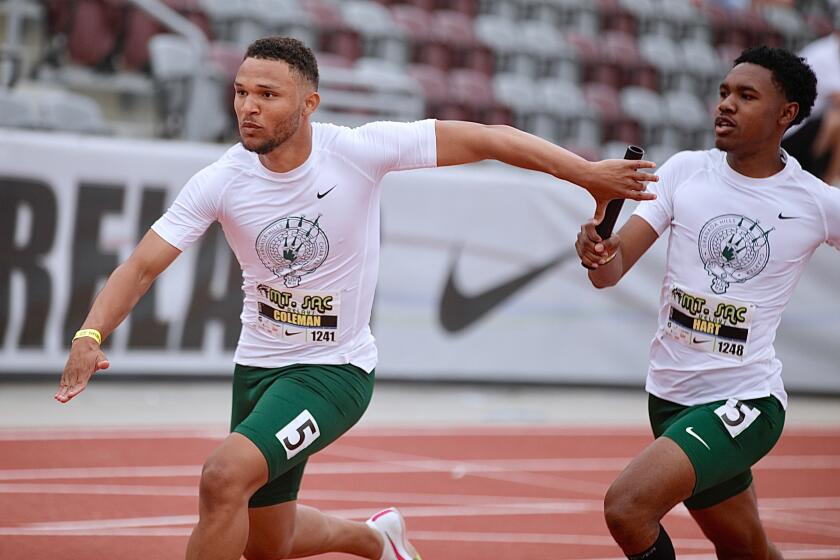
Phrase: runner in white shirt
x=299 y=205
x=744 y=220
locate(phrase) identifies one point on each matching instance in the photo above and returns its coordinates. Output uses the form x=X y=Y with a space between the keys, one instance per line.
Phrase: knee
x=625 y=512
x=221 y=483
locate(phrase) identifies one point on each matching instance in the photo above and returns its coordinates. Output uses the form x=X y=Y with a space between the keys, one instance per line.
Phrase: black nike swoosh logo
x=699 y=341
x=458 y=310
x=787 y=217
x=328 y=191
x=292 y=333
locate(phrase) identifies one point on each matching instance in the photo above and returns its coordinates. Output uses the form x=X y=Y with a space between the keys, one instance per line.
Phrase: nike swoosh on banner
x=325 y=193
x=458 y=310
x=787 y=217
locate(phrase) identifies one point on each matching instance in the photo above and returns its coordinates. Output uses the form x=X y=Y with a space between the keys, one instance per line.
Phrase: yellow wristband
x=92 y=333
x=611 y=257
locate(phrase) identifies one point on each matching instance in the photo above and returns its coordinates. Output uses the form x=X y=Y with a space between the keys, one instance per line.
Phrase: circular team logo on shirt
x=734 y=249
x=292 y=247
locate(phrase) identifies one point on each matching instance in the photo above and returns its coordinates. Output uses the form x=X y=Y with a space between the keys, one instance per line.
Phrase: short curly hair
x=790 y=73
x=291 y=51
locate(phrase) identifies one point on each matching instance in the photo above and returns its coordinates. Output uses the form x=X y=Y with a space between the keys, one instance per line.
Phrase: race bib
x=298 y=434
x=736 y=416
x=298 y=316
x=710 y=324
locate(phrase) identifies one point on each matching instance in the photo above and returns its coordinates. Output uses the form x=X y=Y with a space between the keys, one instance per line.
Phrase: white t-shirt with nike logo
x=736 y=250
x=307 y=240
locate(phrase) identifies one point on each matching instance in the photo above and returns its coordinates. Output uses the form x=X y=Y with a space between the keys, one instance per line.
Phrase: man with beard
x=299 y=205
x=744 y=220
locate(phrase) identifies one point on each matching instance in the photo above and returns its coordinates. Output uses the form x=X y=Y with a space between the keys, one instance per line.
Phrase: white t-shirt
x=736 y=250
x=307 y=240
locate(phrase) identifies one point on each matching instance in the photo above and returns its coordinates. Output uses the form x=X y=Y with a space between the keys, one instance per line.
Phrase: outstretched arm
x=122 y=291
x=464 y=142
x=608 y=260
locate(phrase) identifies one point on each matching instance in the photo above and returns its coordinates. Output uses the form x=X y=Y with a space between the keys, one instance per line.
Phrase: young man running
x=299 y=205
x=744 y=220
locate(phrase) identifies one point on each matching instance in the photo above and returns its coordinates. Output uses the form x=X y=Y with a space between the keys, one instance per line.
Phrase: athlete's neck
x=292 y=153
x=757 y=164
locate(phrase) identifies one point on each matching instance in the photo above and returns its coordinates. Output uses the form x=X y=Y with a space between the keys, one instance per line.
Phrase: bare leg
x=735 y=528
x=656 y=480
x=290 y=530
x=231 y=474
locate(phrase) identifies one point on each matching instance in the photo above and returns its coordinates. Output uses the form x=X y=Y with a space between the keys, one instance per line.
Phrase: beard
x=282 y=132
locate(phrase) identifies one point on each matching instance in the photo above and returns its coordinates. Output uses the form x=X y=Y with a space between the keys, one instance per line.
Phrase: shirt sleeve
x=660 y=212
x=381 y=147
x=831 y=207
x=192 y=212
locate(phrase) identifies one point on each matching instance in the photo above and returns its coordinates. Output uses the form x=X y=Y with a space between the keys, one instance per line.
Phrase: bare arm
x=609 y=260
x=464 y=142
x=122 y=291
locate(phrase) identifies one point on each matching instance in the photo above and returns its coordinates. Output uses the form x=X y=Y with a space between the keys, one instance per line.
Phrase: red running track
x=468 y=493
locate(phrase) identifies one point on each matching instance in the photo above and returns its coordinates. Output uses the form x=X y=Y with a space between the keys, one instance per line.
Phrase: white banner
x=478 y=281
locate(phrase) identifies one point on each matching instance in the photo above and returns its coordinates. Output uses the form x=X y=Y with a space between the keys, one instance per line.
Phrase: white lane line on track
x=306 y=495
x=220 y=432
x=397 y=463
x=507 y=470
x=155 y=527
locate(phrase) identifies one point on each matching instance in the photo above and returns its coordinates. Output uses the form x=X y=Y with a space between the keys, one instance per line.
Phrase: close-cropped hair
x=291 y=51
x=790 y=72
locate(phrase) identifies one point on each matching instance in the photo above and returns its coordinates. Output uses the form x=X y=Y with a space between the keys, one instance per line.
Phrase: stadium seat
x=688 y=118
x=553 y=55
x=381 y=38
x=614 y=16
x=191 y=90
x=374 y=89
x=508 y=9
x=243 y=21
x=789 y=23
x=520 y=94
x=141 y=27
x=685 y=20
x=426 y=47
x=433 y=83
x=649 y=17
x=620 y=58
x=703 y=66
x=666 y=56
x=473 y=91
x=457 y=31
x=503 y=36
x=573 y=120
x=334 y=36
x=18 y=111
x=70 y=112
x=576 y=16
x=615 y=125
x=91 y=30
x=648 y=109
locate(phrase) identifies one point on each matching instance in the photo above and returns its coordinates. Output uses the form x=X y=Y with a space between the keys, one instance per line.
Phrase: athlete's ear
x=788 y=113
x=311 y=102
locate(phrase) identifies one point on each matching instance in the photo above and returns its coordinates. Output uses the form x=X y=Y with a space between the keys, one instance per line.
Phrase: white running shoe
x=391 y=525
